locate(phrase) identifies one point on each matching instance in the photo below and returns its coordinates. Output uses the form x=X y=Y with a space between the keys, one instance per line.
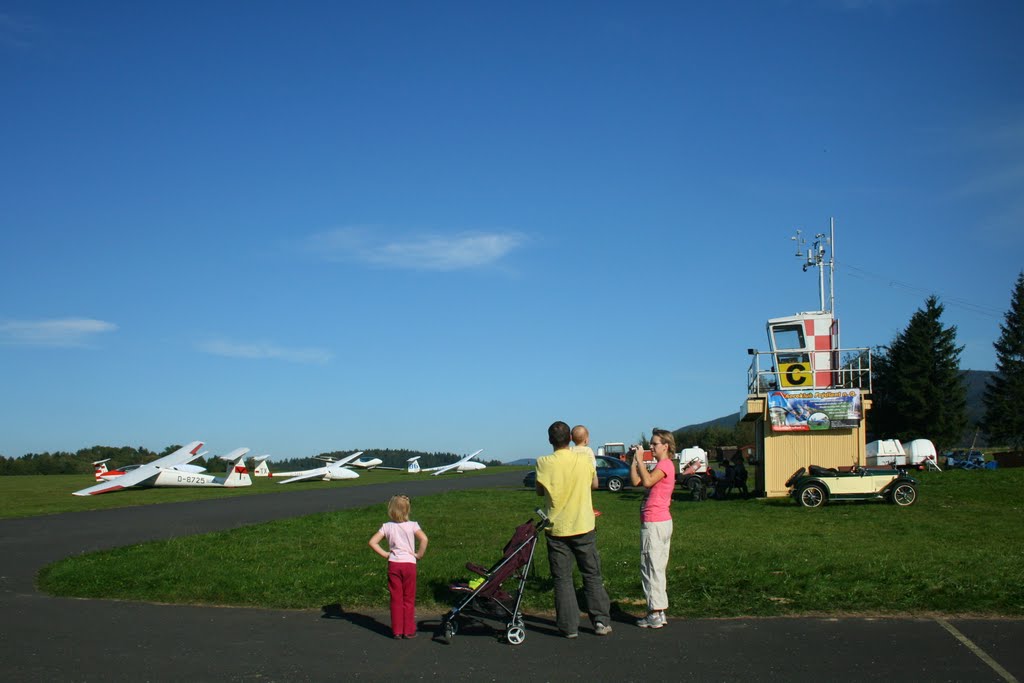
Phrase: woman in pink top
x=401 y=556
x=655 y=523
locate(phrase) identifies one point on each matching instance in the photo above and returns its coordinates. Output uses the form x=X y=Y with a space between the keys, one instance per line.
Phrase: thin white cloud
x=61 y=332
x=264 y=351
x=1009 y=178
x=460 y=251
x=1002 y=135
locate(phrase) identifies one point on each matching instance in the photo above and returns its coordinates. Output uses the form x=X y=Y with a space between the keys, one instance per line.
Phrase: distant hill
x=975 y=380
x=532 y=462
x=728 y=422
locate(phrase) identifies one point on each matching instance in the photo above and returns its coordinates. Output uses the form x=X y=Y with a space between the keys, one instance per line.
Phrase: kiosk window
x=788 y=337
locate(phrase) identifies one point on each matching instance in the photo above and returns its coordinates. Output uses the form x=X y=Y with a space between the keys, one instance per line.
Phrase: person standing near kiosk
x=655 y=524
x=565 y=479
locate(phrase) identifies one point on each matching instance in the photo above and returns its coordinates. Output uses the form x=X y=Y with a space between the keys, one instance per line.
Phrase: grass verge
x=31 y=495
x=959 y=550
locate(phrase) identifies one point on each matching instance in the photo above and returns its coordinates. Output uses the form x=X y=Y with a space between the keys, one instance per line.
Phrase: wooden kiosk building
x=806 y=396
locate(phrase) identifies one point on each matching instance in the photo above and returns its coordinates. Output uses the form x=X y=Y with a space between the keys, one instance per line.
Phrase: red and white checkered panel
x=820 y=335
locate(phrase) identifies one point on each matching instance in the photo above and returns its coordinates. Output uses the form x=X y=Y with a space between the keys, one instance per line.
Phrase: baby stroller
x=487 y=594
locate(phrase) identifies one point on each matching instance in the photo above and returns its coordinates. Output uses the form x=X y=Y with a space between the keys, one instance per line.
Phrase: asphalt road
x=56 y=639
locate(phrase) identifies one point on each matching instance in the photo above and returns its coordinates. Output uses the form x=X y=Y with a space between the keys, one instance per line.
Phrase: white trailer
x=921 y=453
x=613 y=450
x=688 y=456
x=885 y=453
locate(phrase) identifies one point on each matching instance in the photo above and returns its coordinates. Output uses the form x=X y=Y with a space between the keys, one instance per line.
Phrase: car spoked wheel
x=614 y=484
x=903 y=494
x=813 y=496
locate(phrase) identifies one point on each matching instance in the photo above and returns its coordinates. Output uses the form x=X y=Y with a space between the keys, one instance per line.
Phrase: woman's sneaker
x=652 y=620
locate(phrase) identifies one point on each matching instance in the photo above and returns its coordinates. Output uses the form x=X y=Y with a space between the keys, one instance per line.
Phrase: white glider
x=166 y=471
x=333 y=471
x=464 y=464
x=261 y=468
x=178 y=458
x=367 y=463
x=104 y=474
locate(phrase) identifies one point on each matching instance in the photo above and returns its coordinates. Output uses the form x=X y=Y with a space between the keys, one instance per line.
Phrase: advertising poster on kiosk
x=814 y=409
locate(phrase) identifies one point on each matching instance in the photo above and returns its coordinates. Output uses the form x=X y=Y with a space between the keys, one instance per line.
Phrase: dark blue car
x=612 y=474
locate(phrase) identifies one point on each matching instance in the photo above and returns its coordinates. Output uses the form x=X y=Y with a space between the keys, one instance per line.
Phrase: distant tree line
x=81 y=462
x=713 y=436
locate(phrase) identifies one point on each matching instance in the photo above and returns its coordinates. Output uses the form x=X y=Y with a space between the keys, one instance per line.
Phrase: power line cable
x=858 y=272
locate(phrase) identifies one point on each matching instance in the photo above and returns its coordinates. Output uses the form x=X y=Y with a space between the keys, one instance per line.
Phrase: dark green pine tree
x=918 y=390
x=1004 y=393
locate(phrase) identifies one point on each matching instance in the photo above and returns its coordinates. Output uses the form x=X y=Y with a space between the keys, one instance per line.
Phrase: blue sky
x=302 y=227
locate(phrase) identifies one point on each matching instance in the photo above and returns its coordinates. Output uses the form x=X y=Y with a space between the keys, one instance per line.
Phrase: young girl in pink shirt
x=401 y=555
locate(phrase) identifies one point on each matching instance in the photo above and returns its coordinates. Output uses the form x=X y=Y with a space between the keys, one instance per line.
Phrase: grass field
x=959 y=550
x=27 y=496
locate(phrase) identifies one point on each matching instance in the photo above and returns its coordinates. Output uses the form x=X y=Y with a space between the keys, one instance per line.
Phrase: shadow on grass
x=786 y=502
x=442 y=593
x=620 y=616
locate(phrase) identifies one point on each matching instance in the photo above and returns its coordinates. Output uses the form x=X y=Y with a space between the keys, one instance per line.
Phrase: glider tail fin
x=100 y=468
x=414 y=465
x=237 y=474
x=260 y=466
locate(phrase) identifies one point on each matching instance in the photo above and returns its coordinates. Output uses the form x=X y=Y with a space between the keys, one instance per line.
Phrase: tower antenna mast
x=815 y=256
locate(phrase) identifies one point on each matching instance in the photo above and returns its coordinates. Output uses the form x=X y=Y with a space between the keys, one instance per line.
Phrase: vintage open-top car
x=813 y=487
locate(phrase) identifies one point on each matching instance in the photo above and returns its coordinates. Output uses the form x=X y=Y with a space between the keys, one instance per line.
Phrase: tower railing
x=853 y=371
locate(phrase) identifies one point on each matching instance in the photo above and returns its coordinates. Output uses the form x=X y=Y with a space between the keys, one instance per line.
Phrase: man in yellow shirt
x=565 y=479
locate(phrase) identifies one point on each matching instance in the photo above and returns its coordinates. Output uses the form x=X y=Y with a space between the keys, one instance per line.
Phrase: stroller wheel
x=445 y=633
x=515 y=635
